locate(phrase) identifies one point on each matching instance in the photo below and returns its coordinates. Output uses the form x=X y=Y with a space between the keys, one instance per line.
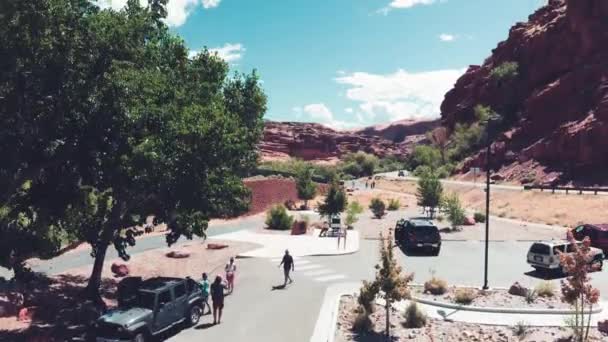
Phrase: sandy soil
x=530 y=206
x=436 y=330
x=496 y=298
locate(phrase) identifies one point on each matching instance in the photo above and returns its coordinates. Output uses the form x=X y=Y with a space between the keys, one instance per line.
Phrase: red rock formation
x=311 y=141
x=561 y=95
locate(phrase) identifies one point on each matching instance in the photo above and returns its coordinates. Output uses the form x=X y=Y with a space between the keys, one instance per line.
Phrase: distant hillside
x=315 y=142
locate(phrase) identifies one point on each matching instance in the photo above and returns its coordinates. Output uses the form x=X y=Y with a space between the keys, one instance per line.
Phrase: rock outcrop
x=311 y=141
x=558 y=103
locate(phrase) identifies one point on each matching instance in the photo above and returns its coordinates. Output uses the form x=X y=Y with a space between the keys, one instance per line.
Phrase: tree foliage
x=378 y=207
x=307 y=189
x=455 y=212
x=108 y=121
x=505 y=71
x=429 y=192
x=352 y=212
x=359 y=164
x=334 y=203
x=277 y=218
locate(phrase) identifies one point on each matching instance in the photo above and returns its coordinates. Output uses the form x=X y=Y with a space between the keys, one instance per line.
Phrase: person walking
x=230 y=273
x=345 y=232
x=366 y=184
x=217 y=297
x=288 y=266
x=204 y=285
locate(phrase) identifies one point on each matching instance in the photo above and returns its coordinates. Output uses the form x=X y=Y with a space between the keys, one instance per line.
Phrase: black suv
x=418 y=234
x=149 y=308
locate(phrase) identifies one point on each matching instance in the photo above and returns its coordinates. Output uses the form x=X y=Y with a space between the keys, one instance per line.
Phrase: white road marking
x=308 y=267
x=317 y=272
x=330 y=277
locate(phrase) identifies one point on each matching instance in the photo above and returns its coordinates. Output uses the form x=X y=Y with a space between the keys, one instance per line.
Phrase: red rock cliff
x=311 y=141
x=560 y=95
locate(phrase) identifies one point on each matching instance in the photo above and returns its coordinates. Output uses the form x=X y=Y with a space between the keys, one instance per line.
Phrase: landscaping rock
x=119 y=270
x=469 y=221
x=299 y=228
x=518 y=290
x=178 y=255
x=603 y=327
x=216 y=246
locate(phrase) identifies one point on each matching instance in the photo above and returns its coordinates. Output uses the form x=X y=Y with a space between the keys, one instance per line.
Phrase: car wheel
x=194 y=314
x=140 y=337
x=436 y=252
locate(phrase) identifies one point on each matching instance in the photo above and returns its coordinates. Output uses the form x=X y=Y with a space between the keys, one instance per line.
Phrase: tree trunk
x=388 y=320
x=92 y=289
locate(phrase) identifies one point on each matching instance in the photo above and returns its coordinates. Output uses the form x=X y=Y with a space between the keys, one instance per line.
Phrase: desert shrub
x=277 y=218
x=359 y=164
x=414 y=317
x=465 y=296
x=480 y=217
x=362 y=323
x=531 y=296
x=394 y=204
x=424 y=155
x=521 y=329
x=421 y=170
x=377 y=207
x=445 y=171
x=367 y=296
x=545 y=289
x=352 y=213
x=440 y=218
x=436 y=286
x=454 y=210
x=505 y=71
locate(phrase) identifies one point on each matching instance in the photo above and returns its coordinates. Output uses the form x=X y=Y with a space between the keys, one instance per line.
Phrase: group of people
x=216 y=289
x=371 y=185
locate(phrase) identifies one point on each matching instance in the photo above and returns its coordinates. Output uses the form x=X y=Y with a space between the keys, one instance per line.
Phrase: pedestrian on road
x=230 y=273
x=373 y=184
x=288 y=266
x=366 y=184
x=204 y=285
x=217 y=297
x=345 y=232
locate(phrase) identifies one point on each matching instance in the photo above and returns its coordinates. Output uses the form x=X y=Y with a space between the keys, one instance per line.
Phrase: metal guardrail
x=567 y=189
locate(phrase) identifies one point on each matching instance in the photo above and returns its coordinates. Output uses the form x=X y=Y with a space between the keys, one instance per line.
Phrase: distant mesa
x=315 y=142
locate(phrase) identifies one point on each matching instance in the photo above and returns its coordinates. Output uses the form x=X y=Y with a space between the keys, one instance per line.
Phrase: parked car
x=418 y=234
x=545 y=255
x=401 y=174
x=597 y=233
x=159 y=304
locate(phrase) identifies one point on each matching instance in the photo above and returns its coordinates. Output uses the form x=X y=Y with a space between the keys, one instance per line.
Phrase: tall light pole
x=485 y=273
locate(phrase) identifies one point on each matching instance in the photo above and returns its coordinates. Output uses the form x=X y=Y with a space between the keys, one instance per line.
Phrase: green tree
x=352 y=212
x=424 y=155
x=133 y=126
x=390 y=282
x=307 y=189
x=334 y=203
x=277 y=218
x=360 y=164
x=429 y=192
x=378 y=207
x=455 y=212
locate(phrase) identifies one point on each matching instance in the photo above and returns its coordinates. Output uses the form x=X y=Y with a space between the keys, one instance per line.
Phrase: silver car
x=545 y=255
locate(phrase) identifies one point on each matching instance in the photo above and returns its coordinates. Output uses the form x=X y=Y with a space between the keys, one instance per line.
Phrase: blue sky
x=348 y=63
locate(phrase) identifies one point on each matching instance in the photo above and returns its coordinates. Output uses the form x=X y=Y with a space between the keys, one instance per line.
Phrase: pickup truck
x=156 y=305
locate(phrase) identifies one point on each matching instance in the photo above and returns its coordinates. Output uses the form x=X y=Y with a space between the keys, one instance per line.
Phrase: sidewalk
x=298 y=245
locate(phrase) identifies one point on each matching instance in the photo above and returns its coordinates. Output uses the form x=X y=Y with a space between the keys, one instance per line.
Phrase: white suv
x=545 y=255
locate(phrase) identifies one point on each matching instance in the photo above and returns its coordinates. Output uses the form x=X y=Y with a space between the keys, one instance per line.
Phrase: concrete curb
x=501 y=310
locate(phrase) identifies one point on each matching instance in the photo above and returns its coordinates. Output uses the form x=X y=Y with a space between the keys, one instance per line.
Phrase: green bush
x=454 y=210
x=445 y=171
x=352 y=213
x=394 y=204
x=378 y=207
x=505 y=71
x=422 y=170
x=414 y=317
x=480 y=217
x=278 y=219
x=424 y=155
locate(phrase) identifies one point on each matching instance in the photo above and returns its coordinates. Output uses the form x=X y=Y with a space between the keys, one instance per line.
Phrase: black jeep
x=418 y=234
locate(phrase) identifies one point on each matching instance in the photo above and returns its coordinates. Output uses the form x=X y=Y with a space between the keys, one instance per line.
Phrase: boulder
x=602 y=326
x=518 y=290
x=178 y=255
x=469 y=221
x=119 y=270
x=299 y=228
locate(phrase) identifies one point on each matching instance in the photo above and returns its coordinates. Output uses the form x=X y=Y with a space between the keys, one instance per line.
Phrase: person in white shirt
x=230 y=273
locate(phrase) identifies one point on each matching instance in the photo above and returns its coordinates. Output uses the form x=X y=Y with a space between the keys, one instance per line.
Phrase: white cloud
x=400 y=95
x=348 y=110
x=192 y=53
x=177 y=10
x=446 y=37
x=211 y=3
x=403 y=4
x=229 y=52
x=320 y=113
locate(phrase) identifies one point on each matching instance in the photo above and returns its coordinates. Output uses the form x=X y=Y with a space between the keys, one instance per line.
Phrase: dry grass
x=465 y=296
x=531 y=206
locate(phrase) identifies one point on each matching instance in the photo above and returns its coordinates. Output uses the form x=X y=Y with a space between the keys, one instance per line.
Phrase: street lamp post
x=485 y=274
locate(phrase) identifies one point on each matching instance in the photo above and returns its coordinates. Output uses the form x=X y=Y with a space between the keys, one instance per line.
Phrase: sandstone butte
x=315 y=142
x=560 y=96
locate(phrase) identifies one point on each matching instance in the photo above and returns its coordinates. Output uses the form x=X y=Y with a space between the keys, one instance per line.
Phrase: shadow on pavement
x=279 y=287
x=415 y=252
x=204 y=326
x=546 y=275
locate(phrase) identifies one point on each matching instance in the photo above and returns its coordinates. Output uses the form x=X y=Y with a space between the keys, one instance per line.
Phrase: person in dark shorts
x=217 y=296
x=288 y=266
